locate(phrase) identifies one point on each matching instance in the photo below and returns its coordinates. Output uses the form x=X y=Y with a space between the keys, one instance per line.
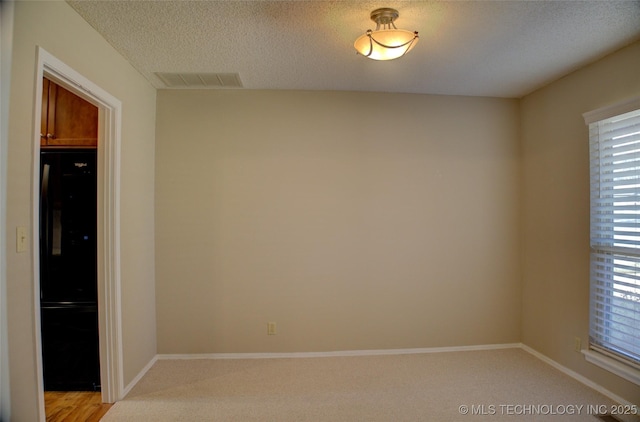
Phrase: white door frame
x=109 y=297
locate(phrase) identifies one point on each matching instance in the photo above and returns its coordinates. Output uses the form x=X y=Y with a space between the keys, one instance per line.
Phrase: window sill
x=613 y=366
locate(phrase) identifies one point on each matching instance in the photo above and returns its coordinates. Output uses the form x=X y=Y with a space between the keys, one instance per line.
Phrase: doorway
x=68 y=241
x=108 y=222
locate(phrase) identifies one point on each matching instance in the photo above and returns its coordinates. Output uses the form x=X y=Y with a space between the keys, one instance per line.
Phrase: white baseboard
x=339 y=353
x=139 y=376
x=375 y=352
x=381 y=352
x=600 y=389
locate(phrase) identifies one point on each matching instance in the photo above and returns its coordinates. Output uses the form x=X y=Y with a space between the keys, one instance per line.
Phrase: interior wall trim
x=340 y=353
x=612 y=110
x=584 y=380
x=109 y=274
x=138 y=377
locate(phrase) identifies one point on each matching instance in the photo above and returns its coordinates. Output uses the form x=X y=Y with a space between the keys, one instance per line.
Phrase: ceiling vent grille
x=200 y=80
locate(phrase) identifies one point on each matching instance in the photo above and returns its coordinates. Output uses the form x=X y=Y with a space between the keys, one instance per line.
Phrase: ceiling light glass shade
x=386 y=44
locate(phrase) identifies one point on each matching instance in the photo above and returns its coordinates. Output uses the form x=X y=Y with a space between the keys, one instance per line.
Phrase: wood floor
x=75 y=406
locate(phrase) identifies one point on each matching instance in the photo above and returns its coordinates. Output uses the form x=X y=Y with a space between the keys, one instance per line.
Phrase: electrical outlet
x=271 y=328
x=577 y=344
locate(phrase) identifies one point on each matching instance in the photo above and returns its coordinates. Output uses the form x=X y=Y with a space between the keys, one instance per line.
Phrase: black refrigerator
x=68 y=270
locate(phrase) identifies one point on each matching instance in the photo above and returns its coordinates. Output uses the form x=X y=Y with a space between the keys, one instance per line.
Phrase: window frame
x=596 y=353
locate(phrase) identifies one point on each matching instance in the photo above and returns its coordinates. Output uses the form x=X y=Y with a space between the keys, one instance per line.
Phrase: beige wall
x=352 y=220
x=556 y=209
x=6 y=42
x=58 y=29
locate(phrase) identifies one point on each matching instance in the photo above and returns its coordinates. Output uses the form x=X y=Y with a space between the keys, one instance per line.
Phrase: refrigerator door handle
x=44 y=216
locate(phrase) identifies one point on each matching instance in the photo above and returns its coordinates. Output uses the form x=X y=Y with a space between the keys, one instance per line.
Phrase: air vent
x=200 y=80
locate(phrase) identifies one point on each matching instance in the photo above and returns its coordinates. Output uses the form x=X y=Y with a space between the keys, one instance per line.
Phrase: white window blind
x=614 y=146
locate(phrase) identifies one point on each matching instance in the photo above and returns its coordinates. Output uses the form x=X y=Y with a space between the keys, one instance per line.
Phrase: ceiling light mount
x=384 y=16
x=389 y=42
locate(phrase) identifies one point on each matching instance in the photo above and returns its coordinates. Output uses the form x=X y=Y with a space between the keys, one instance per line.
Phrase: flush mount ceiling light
x=389 y=42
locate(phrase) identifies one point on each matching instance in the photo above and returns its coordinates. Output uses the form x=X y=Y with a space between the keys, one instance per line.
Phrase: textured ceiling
x=477 y=48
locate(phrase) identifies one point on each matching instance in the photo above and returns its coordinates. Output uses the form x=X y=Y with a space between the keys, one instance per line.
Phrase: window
x=614 y=147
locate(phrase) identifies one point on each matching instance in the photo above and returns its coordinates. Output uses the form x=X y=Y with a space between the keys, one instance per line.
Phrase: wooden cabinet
x=67 y=120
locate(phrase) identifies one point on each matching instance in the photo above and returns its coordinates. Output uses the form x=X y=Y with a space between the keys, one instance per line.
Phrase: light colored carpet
x=505 y=384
